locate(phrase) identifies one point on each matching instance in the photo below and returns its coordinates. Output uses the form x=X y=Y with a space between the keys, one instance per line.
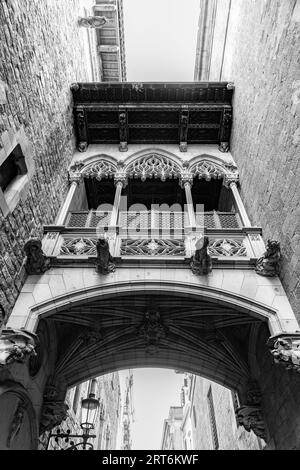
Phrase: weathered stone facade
x=262 y=59
x=42 y=52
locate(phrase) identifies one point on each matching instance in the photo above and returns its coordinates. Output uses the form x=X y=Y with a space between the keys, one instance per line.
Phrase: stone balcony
x=153 y=237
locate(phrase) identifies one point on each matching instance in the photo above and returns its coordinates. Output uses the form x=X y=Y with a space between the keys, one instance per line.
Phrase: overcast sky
x=160 y=39
x=160 y=44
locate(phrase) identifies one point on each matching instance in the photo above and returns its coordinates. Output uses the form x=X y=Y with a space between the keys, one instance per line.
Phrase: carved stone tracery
x=207 y=170
x=100 y=170
x=153 y=166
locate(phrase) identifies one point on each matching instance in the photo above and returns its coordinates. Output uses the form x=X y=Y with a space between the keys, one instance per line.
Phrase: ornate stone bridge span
x=117 y=287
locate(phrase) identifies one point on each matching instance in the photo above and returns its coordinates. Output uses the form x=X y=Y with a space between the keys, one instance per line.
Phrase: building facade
x=172 y=433
x=176 y=275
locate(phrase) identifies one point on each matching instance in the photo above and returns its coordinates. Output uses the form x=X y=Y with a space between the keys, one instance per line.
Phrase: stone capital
x=186 y=177
x=75 y=174
x=120 y=177
x=229 y=178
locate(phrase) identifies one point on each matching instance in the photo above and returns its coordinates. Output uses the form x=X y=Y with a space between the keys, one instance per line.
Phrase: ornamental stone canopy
x=156 y=113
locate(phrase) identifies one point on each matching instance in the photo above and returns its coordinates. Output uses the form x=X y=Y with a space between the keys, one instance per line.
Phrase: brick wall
x=263 y=60
x=42 y=53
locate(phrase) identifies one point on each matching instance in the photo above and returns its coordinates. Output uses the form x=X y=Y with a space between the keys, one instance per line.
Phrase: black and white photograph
x=149 y=228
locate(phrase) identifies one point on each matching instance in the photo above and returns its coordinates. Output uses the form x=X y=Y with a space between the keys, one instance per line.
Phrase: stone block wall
x=42 y=52
x=262 y=59
x=230 y=435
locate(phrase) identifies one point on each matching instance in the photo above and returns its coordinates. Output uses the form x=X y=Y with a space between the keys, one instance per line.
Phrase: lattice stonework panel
x=227 y=247
x=78 y=246
x=78 y=219
x=152 y=247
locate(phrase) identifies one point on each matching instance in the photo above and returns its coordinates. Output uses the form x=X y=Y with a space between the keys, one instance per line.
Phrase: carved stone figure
x=152 y=330
x=201 y=262
x=123 y=132
x=16 y=346
x=95 y=22
x=16 y=423
x=286 y=351
x=250 y=416
x=53 y=413
x=37 y=262
x=104 y=262
x=268 y=264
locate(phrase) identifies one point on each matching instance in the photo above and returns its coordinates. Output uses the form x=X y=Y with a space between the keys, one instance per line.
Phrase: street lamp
x=89 y=409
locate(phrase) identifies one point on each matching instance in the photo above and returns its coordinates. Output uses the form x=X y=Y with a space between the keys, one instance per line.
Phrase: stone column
x=75 y=179
x=239 y=203
x=186 y=182
x=120 y=182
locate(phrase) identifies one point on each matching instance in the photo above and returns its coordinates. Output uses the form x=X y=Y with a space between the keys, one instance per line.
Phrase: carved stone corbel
x=36 y=262
x=285 y=349
x=225 y=131
x=104 y=261
x=81 y=128
x=250 y=415
x=184 y=122
x=16 y=346
x=54 y=411
x=201 y=262
x=123 y=131
x=268 y=264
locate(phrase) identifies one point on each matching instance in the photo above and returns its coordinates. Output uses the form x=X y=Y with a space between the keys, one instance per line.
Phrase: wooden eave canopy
x=153 y=113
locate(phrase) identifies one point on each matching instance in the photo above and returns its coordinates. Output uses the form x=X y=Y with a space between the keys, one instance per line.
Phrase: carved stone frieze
x=268 y=264
x=201 y=262
x=152 y=331
x=36 y=262
x=286 y=350
x=16 y=346
x=104 y=262
x=94 y=22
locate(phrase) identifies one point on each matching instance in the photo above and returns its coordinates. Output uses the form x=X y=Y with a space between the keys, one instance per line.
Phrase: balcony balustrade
x=153 y=234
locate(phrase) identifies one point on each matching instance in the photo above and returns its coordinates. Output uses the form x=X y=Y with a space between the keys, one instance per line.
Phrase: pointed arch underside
x=153 y=329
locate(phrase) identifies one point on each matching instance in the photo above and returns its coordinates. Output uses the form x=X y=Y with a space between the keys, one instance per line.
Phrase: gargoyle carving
x=286 y=351
x=268 y=264
x=250 y=415
x=104 y=262
x=16 y=346
x=201 y=262
x=152 y=330
x=95 y=22
x=37 y=262
x=53 y=413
